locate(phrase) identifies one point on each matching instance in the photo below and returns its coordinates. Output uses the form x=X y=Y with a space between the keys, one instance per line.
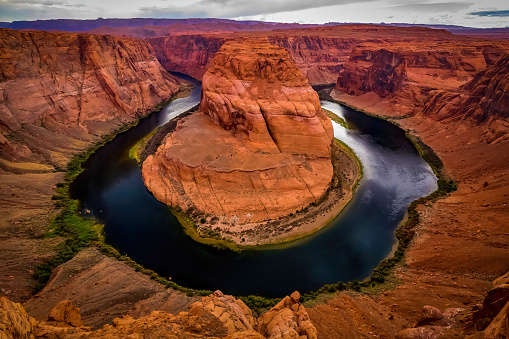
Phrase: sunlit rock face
x=258 y=148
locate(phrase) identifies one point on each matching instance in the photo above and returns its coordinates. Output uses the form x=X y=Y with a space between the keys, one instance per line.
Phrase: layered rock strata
x=319 y=58
x=258 y=148
x=484 y=100
x=400 y=75
x=60 y=92
x=322 y=52
x=215 y=316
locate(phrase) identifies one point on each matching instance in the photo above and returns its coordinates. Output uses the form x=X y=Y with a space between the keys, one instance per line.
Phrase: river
x=111 y=187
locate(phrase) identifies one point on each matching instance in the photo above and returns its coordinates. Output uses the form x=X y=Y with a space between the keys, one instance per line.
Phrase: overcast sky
x=474 y=13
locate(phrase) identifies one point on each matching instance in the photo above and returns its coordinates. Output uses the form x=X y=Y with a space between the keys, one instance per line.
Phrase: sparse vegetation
x=79 y=233
x=382 y=276
x=337 y=119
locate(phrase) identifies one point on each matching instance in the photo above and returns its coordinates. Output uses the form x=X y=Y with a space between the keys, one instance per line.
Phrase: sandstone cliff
x=190 y=54
x=319 y=58
x=60 y=92
x=401 y=74
x=322 y=52
x=215 y=316
x=484 y=101
x=259 y=148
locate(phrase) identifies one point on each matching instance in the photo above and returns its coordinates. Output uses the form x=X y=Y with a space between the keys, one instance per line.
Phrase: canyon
x=450 y=91
x=258 y=149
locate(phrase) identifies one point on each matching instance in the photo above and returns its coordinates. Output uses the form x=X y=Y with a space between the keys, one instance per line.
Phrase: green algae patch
x=337 y=119
x=136 y=151
x=191 y=229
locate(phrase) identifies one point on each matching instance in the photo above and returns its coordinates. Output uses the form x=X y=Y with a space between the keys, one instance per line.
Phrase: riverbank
x=451 y=253
x=347 y=170
x=73 y=231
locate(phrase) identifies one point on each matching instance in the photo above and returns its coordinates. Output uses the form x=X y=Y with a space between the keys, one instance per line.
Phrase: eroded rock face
x=14 y=320
x=402 y=73
x=320 y=58
x=215 y=316
x=484 y=100
x=259 y=148
x=59 y=91
x=288 y=319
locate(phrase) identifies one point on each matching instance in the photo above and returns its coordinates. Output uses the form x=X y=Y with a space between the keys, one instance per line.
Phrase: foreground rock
x=215 y=316
x=103 y=288
x=288 y=319
x=259 y=147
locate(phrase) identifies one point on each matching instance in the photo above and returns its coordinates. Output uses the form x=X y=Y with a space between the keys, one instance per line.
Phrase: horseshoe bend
x=255 y=163
x=258 y=149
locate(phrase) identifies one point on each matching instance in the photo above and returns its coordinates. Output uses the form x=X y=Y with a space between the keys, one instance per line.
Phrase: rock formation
x=401 y=74
x=258 y=148
x=319 y=58
x=288 y=319
x=59 y=92
x=322 y=52
x=484 y=100
x=215 y=316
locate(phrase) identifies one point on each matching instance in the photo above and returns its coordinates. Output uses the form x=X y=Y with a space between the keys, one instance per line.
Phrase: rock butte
x=258 y=148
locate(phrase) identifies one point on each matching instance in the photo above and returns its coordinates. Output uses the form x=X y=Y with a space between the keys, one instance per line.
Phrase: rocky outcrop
x=433 y=324
x=14 y=320
x=288 y=319
x=259 y=148
x=65 y=314
x=401 y=74
x=60 y=91
x=484 y=101
x=215 y=316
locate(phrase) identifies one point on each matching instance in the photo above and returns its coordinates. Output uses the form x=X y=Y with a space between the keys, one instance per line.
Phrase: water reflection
x=349 y=248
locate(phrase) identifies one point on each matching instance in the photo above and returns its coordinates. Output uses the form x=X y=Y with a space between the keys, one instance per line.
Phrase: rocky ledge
x=215 y=316
x=259 y=147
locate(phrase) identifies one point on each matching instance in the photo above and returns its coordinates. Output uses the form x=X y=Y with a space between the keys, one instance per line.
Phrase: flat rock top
x=200 y=142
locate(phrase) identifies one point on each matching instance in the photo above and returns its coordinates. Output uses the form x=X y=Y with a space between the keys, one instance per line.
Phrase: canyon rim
x=63 y=91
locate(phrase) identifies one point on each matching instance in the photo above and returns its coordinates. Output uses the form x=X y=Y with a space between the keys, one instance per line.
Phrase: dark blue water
x=348 y=249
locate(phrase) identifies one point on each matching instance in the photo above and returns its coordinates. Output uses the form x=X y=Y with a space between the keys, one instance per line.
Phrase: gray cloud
x=427 y=7
x=239 y=8
x=503 y=13
x=34 y=9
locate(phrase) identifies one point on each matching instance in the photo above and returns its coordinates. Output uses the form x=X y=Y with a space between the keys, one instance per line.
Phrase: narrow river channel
x=348 y=249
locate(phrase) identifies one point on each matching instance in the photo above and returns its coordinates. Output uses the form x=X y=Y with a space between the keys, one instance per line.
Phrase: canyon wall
x=401 y=74
x=259 y=148
x=319 y=58
x=484 y=101
x=60 y=92
x=322 y=52
x=189 y=54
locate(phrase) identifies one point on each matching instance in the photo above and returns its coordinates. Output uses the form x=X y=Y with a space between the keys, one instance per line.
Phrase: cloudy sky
x=474 y=13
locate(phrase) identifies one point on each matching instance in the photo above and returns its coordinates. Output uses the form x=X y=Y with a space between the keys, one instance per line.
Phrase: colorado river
x=348 y=249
